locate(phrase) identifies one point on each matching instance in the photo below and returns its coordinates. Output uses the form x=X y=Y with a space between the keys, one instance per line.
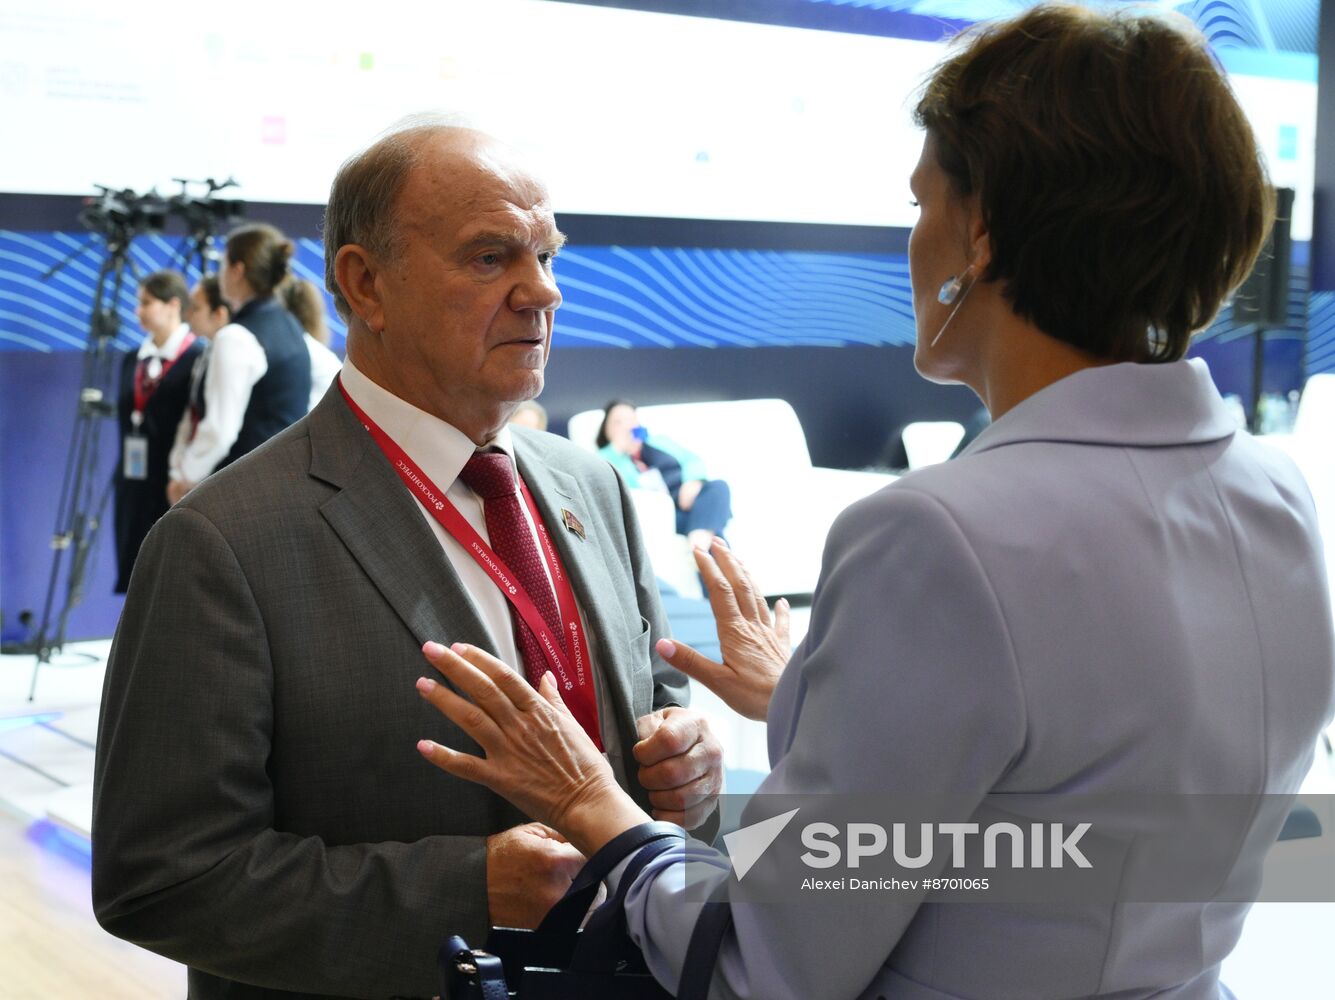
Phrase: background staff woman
x=155 y=382
x=258 y=375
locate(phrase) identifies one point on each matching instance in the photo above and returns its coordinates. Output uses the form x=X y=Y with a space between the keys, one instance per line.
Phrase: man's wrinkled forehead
x=467 y=177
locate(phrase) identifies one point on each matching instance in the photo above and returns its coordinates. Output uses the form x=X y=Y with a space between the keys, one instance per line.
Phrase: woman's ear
x=980 y=240
x=355 y=271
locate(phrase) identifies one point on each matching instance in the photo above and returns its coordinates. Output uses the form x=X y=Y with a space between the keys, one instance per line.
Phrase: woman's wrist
x=596 y=819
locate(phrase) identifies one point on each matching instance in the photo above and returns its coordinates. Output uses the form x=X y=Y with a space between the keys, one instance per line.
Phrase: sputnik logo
x=745 y=846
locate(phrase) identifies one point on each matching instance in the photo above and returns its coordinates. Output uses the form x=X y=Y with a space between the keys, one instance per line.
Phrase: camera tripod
x=84 y=493
x=118 y=216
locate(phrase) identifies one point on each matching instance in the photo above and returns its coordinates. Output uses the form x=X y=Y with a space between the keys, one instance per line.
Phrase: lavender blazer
x=1111 y=590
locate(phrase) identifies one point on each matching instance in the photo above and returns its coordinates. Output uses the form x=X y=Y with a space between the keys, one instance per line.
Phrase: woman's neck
x=1021 y=360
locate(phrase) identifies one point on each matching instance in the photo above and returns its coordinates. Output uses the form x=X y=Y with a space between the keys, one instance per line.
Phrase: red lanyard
x=143 y=393
x=572 y=672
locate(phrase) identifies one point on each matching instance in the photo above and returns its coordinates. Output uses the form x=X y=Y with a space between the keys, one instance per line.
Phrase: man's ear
x=355 y=271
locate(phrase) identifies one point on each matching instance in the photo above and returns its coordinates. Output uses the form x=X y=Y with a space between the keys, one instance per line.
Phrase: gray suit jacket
x=260 y=811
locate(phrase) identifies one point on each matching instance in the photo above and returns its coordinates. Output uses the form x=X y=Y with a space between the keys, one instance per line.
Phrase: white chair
x=929 y=442
x=782 y=505
x=1315 y=421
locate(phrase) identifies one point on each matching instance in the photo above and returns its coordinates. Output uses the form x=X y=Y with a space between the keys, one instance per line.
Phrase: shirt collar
x=1123 y=404
x=169 y=350
x=439 y=449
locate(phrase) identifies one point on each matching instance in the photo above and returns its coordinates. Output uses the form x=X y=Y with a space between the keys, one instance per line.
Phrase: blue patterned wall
x=614 y=296
x=657 y=297
x=634 y=297
x=1321 y=333
x=40 y=313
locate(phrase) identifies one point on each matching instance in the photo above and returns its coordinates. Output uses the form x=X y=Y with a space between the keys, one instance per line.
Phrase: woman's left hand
x=537 y=755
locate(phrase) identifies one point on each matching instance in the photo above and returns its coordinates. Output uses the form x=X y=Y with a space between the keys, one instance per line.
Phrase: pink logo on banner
x=273 y=130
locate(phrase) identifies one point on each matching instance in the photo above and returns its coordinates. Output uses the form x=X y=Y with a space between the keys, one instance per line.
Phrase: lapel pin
x=572 y=522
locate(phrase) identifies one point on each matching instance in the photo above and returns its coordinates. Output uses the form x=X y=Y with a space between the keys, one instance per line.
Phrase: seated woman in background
x=257 y=379
x=306 y=302
x=648 y=462
x=155 y=384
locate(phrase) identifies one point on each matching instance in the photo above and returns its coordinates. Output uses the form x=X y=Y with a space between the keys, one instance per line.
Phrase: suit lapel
x=378 y=520
x=555 y=491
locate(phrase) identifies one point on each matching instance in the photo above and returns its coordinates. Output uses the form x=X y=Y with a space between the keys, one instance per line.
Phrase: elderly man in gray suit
x=261 y=813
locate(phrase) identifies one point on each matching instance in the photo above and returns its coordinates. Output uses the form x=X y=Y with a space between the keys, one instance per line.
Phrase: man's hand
x=529 y=868
x=176 y=489
x=681 y=765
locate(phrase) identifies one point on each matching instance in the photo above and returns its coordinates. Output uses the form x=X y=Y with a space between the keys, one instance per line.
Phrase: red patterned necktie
x=490 y=475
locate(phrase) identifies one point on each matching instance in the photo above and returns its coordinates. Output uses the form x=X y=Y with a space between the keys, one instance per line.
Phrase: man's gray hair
x=361 y=199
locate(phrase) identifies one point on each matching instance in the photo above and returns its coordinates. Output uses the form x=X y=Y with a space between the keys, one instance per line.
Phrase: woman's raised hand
x=754 y=643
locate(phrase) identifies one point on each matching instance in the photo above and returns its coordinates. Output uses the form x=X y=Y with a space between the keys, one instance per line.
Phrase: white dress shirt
x=325 y=365
x=441 y=451
x=164 y=355
x=236 y=361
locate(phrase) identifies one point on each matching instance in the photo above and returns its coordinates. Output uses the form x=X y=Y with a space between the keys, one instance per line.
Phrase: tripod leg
x=76 y=525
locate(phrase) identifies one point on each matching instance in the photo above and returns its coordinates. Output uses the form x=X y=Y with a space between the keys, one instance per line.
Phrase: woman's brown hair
x=167 y=285
x=213 y=293
x=265 y=252
x=1120 y=183
x=304 y=301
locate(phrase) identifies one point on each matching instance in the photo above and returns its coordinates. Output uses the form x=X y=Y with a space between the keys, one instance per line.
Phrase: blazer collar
x=379 y=522
x=557 y=493
x=1138 y=405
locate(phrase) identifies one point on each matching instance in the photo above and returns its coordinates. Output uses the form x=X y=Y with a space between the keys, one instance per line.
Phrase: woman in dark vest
x=154 y=386
x=258 y=378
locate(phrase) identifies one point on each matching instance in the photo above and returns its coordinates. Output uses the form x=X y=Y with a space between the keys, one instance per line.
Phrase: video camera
x=125 y=214
x=205 y=213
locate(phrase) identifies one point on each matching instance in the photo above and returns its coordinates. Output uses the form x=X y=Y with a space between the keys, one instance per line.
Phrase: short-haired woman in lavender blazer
x=1112 y=591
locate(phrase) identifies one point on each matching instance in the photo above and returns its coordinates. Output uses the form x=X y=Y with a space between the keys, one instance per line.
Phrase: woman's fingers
x=732 y=591
x=548 y=689
x=461 y=765
x=693 y=664
x=537 y=755
x=496 y=689
x=750 y=601
x=717 y=588
x=506 y=679
x=467 y=715
x=782 y=622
